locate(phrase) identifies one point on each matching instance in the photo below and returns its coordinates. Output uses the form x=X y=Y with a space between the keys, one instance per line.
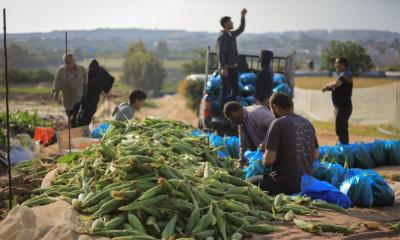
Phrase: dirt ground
x=174 y=107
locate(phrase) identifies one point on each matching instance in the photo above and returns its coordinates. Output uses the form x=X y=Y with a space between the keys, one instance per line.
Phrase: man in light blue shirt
x=126 y=111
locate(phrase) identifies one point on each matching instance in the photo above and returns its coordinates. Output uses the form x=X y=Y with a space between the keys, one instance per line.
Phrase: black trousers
x=87 y=111
x=73 y=115
x=230 y=84
x=342 y=123
x=273 y=186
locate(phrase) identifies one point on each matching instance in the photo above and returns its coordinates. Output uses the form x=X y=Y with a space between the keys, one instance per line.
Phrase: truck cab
x=210 y=117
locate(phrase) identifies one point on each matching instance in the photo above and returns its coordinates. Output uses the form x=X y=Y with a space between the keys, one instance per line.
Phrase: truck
x=212 y=119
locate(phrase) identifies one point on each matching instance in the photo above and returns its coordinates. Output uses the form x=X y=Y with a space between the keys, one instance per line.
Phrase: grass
x=174 y=64
x=27 y=90
x=362 y=130
x=319 y=82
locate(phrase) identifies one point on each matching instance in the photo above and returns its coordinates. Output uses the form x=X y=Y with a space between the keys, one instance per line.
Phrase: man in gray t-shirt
x=126 y=111
x=253 y=124
x=291 y=148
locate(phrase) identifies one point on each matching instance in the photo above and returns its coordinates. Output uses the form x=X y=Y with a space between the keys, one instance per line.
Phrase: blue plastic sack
x=250 y=100
x=197 y=133
x=247 y=78
x=233 y=146
x=215 y=140
x=343 y=155
x=326 y=153
x=277 y=79
x=213 y=86
x=283 y=88
x=100 y=130
x=222 y=154
x=319 y=170
x=331 y=172
x=367 y=188
x=254 y=160
x=362 y=157
x=317 y=189
x=376 y=150
x=241 y=88
x=243 y=103
x=248 y=90
x=392 y=152
x=19 y=154
x=358 y=189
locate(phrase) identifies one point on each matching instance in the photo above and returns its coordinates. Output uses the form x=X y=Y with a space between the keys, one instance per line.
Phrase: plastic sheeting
x=374 y=105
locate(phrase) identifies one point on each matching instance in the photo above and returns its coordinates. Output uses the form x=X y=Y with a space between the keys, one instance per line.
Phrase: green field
x=174 y=64
x=27 y=90
x=362 y=130
x=319 y=82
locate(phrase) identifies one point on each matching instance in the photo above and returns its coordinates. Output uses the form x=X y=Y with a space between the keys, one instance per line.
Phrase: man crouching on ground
x=291 y=148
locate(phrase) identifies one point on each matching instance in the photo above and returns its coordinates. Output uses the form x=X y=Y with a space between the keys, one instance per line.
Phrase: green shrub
x=17 y=76
x=192 y=90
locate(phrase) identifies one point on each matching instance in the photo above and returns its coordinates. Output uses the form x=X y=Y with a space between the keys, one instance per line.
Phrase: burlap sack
x=56 y=221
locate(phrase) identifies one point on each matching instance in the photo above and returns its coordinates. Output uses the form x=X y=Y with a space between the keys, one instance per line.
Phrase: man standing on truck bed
x=253 y=121
x=342 y=89
x=228 y=57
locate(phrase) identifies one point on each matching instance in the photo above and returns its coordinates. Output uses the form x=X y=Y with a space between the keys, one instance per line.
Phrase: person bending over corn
x=126 y=111
x=253 y=122
x=291 y=148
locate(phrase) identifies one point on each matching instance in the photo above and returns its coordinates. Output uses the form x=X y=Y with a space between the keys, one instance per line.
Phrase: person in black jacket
x=264 y=78
x=99 y=80
x=228 y=57
x=342 y=89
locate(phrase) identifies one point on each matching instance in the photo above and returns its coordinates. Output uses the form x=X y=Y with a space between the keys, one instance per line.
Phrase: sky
x=201 y=15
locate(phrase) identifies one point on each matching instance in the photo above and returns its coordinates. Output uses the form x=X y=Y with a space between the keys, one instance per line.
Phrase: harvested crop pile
x=26 y=176
x=140 y=183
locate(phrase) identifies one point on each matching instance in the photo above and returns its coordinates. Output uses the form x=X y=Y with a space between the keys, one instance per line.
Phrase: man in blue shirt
x=342 y=89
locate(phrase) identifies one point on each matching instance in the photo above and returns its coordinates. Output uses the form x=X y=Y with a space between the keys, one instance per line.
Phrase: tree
x=19 y=57
x=357 y=56
x=162 y=49
x=197 y=65
x=142 y=69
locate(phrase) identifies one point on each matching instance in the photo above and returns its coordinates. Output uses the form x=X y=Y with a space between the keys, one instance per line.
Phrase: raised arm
x=238 y=31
